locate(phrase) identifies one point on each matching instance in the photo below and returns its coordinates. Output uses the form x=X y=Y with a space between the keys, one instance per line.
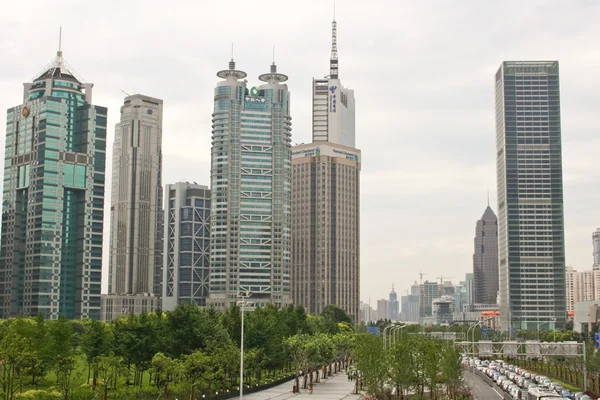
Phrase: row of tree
x=189 y=350
x=414 y=365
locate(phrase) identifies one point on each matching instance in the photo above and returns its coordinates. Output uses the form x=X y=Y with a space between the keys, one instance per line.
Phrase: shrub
x=38 y=395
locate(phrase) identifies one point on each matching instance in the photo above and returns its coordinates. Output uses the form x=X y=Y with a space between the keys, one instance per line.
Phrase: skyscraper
x=187 y=245
x=428 y=292
x=53 y=199
x=573 y=293
x=596 y=244
x=326 y=227
x=333 y=104
x=250 y=190
x=326 y=203
x=393 y=305
x=485 y=258
x=530 y=195
x=135 y=264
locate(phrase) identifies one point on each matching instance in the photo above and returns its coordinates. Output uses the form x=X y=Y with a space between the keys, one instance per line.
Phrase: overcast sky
x=423 y=75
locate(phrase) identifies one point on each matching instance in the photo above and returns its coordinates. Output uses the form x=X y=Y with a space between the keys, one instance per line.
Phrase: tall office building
x=485 y=258
x=428 y=292
x=530 y=195
x=250 y=190
x=573 y=292
x=187 y=245
x=135 y=264
x=333 y=104
x=326 y=227
x=469 y=286
x=410 y=304
x=53 y=199
x=596 y=244
x=394 y=305
x=383 y=309
x=326 y=203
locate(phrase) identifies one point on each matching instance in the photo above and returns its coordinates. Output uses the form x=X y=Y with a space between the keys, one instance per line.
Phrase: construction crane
x=441 y=278
x=421 y=276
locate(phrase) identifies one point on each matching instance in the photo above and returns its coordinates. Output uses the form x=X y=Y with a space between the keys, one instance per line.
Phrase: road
x=480 y=389
x=335 y=388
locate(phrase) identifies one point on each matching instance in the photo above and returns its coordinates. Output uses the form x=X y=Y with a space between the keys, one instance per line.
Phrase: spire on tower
x=333 y=62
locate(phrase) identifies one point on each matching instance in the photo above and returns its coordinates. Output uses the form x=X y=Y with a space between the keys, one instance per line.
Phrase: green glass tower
x=53 y=199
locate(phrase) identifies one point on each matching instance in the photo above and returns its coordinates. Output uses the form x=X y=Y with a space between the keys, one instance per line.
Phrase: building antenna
x=125 y=92
x=333 y=61
x=273 y=55
x=231 y=51
x=488 y=195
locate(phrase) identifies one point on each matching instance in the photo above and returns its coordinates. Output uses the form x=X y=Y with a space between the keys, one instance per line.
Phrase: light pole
x=243 y=302
x=393 y=332
x=473 y=333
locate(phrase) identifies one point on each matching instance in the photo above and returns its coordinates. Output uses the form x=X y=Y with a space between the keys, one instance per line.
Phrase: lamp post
x=243 y=302
x=393 y=332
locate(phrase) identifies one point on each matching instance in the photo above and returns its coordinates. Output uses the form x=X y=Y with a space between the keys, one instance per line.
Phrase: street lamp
x=393 y=332
x=243 y=302
x=473 y=333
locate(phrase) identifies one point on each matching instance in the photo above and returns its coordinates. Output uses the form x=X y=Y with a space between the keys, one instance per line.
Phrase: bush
x=38 y=395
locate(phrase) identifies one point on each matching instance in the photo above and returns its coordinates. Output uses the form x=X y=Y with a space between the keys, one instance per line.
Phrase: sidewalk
x=335 y=388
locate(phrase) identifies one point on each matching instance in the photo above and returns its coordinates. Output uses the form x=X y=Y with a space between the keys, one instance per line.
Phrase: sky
x=423 y=76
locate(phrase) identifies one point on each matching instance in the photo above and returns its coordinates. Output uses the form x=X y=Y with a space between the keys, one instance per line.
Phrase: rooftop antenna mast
x=333 y=61
x=488 y=196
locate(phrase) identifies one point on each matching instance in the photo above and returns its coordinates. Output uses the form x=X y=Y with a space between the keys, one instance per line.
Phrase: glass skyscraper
x=250 y=190
x=531 y=240
x=187 y=245
x=53 y=199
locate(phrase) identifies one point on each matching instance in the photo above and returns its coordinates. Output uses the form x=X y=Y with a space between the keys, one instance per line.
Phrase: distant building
x=596 y=244
x=383 y=309
x=469 y=286
x=411 y=304
x=443 y=309
x=485 y=258
x=367 y=314
x=187 y=245
x=574 y=294
x=490 y=319
x=428 y=292
x=394 y=306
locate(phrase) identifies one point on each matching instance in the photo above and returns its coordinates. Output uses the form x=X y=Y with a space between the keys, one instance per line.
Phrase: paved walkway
x=335 y=388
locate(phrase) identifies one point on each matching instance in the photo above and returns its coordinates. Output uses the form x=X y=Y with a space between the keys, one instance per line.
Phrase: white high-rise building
x=572 y=286
x=586 y=286
x=333 y=105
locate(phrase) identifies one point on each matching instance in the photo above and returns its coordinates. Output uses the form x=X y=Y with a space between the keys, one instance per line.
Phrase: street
x=480 y=389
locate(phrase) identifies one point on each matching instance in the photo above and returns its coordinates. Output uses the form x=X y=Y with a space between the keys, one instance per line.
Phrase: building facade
x=530 y=195
x=53 y=199
x=326 y=227
x=250 y=190
x=333 y=105
x=186 y=266
x=135 y=263
x=485 y=258
x=469 y=286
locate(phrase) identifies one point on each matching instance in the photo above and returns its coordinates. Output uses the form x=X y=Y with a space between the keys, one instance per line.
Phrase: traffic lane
x=480 y=389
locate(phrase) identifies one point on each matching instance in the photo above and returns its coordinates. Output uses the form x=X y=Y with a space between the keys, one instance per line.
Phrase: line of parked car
x=518 y=382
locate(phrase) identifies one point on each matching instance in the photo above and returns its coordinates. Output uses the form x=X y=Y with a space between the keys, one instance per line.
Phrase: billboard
x=324 y=149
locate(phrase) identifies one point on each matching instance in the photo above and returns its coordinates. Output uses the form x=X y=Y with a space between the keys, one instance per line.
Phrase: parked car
x=566 y=393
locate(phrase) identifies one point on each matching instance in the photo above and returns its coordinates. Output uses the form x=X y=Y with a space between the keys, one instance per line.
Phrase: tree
x=372 y=361
x=109 y=368
x=402 y=373
x=13 y=357
x=96 y=341
x=164 y=369
x=64 y=355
